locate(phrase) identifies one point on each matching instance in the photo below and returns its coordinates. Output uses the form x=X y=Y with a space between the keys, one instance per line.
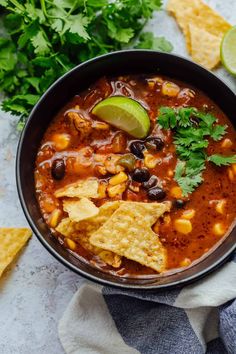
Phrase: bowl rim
x=139 y=287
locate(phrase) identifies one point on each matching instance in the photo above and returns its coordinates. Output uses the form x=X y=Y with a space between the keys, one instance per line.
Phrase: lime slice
x=124 y=113
x=228 y=50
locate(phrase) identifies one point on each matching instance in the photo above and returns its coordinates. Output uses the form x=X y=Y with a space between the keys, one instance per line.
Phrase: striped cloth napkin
x=196 y=319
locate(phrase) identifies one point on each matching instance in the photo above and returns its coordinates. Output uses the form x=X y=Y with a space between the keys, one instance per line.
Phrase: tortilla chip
x=66 y=227
x=87 y=188
x=11 y=241
x=81 y=232
x=110 y=258
x=80 y=209
x=197 y=13
x=128 y=233
x=205 y=47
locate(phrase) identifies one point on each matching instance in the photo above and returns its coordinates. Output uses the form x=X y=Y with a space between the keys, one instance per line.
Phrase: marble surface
x=36 y=288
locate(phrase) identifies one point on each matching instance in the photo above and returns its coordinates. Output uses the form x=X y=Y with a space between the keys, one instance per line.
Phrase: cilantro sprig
x=192 y=130
x=44 y=39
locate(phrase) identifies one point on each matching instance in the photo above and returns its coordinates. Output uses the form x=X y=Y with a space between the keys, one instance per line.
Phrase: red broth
x=81 y=160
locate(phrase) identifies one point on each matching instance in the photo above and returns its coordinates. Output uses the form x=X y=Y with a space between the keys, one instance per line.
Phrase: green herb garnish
x=44 y=39
x=192 y=130
x=148 y=41
x=221 y=160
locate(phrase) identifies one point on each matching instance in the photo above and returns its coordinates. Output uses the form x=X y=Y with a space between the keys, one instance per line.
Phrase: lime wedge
x=124 y=113
x=228 y=50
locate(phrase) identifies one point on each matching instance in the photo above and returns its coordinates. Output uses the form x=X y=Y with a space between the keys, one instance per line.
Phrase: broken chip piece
x=82 y=230
x=207 y=51
x=80 y=209
x=87 y=188
x=11 y=241
x=128 y=233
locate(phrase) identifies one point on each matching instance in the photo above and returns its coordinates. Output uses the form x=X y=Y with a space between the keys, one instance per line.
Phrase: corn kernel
x=219 y=229
x=156 y=227
x=185 y=262
x=226 y=143
x=167 y=220
x=176 y=192
x=54 y=217
x=61 y=141
x=70 y=244
x=77 y=107
x=188 y=214
x=220 y=206
x=170 y=173
x=151 y=84
x=158 y=79
x=102 y=190
x=183 y=226
x=230 y=174
x=234 y=168
x=101 y=170
x=116 y=190
x=119 y=178
x=134 y=188
x=170 y=89
x=150 y=161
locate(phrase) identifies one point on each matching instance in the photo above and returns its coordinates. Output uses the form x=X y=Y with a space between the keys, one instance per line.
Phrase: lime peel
x=228 y=51
x=124 y=113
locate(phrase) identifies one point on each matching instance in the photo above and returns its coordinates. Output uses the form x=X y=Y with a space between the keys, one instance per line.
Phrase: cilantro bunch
x=192 y=130
x=44 y=39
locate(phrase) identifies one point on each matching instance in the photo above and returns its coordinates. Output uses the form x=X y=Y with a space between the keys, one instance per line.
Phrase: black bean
x=154 y=143
x=156 y=193
x=58 y=169
x=137 y=147
x=151 y=182
x=179 y=203
x=141 y=175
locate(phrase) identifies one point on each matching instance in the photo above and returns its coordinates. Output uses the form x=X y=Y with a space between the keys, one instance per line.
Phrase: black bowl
x=78 y=79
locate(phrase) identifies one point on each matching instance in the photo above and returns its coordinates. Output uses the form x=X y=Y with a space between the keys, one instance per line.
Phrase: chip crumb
x=128 y=233
x=11 y=242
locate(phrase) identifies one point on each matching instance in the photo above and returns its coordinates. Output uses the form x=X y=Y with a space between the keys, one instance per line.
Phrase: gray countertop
x=36 y=288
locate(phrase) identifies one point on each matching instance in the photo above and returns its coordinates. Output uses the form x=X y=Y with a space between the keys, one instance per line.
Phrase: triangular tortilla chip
x=11 y=241
x=205 y=47
x=87 y=188
x=197 y=13
x=128 y=233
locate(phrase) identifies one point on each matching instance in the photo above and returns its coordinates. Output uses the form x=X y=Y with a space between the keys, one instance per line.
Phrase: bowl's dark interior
x=59 y=94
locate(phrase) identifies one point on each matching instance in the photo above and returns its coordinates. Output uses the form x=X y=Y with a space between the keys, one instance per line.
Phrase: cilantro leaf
x=184 y=115
x=148 y=41
x=77 y=24
x=167 y=118
x=190 y=142
x=44 y=39
x=13 y=23
x=40 y=43
x=7 y=55
x=207 y=119
x=187 y=183
x=221 y=160
x=218 y=132
x=20 y=104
